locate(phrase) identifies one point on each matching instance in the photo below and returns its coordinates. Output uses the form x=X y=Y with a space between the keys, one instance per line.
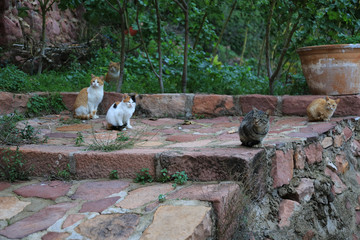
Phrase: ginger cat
x=113 y=72
x=119 y=114
x=322 y=109
x=88 y=99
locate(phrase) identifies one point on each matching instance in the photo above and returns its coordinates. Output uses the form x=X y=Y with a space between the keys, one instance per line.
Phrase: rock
x=110 y=227
x=338 y=186
x=338 y=140
x=162 y=105
x=341 y=164
x=38 y=221
x=55 y=236
x=305 y=189
x=11 y=102
x=313 y=153
x=282 y=168
x=299 y=157
x=98 y=205
x=347 y=133
x=10 y=206
x=261 y=102
x=214 y=105
x=49 y=190
x=140 y=196
x=296 y=105
x=71 y=219
x=92 y=191
x=286 y=210
x=326 y=142
x=180 y=222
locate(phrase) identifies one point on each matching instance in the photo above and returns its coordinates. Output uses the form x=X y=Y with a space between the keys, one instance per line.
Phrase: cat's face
x=129 y=102
x=260 y=118
x=331 y=104
x=96 y=81
x=114 y=67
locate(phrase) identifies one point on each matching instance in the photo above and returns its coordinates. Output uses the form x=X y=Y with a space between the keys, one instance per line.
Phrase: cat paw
x=129 y=126
x=95 y=117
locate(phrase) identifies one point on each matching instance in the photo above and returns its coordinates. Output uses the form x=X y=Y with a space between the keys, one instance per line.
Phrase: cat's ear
x=133 y=97
x=255 y=109
x=327 y=98
x=115 y=105
x=102 y=78
x=268 y=112
x=337 y=101
x=92 y=75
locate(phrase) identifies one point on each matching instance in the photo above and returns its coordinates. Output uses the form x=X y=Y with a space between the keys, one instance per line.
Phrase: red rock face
x=61 y=26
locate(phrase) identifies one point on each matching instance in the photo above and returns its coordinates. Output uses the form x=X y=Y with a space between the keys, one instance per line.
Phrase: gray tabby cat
x=254 y=127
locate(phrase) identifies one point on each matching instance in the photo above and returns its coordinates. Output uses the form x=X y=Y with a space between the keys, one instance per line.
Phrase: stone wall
x=197 y=105
x=61 y=26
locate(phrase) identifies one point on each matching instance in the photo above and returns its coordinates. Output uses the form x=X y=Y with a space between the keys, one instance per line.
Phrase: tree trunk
x=222 y=31
x=244 y=45
x=161 y=84
x=43 y=35
x=184 y=75
x=122 y=51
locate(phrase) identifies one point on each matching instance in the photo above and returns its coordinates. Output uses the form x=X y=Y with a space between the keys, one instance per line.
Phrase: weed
x=12 y=134
x=122 y=141
x=12 y=166
x=143 y=177
x=44 y=105
x=164 y=176
x=65 y=173
x=79 y=139
x=162 y=198
x=179 y=178
x=114 y=175
x=68 y=121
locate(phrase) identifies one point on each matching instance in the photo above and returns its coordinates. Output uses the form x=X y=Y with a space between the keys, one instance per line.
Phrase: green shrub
x=179 y=178
x=12 y=166
x=11 y=134
x=44 y=105
x=114 y=175
x=14 y=80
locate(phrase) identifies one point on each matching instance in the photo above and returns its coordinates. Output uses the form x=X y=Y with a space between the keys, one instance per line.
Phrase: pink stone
x=55 y=236
x=261 y=102
x=11 y=102
x=309 y=235
x=4 y=185
x=299 y=157
x=128 y=162
x=286 y=210
x=71 y=219
x=225 y=198
x=49 y=190
x=305 y=189
x=348 y=106
x=213 y=105
x=338 y=186
x=93 y=191
x=296 y=105
x=357 y=217
x=183 y=138
x=338 y=140
x=341 y=164
x=313 y=153
x=348 y=133
x=38 y=221
x=98 y=205
x=282 y=168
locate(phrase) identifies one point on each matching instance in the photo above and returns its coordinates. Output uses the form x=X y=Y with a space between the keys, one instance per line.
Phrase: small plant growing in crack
x=144 y=176
x=114 y=175
x=161 y=198
x=164 y=176
x=179 y=178
x=79 y=139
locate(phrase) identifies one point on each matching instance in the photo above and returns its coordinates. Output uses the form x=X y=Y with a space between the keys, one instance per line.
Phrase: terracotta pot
x=331 y=69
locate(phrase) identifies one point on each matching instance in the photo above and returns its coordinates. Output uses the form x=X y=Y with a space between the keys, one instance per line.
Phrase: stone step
x=117 y=209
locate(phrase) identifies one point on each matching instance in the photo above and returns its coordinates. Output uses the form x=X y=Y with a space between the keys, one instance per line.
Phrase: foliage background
x=239 y=66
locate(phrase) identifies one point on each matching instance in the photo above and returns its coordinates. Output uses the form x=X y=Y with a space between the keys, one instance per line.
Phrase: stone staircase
x=303 y=184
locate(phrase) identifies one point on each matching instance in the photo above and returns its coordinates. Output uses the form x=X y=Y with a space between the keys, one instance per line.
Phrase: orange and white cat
x=119 y=114
x=322 y=109
x=88 y=99
x=113 y=73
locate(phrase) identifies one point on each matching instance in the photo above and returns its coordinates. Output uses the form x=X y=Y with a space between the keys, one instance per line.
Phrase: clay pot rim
x=330 y=46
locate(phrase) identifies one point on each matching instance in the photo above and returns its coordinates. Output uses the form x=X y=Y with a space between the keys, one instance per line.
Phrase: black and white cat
x=119 y=114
